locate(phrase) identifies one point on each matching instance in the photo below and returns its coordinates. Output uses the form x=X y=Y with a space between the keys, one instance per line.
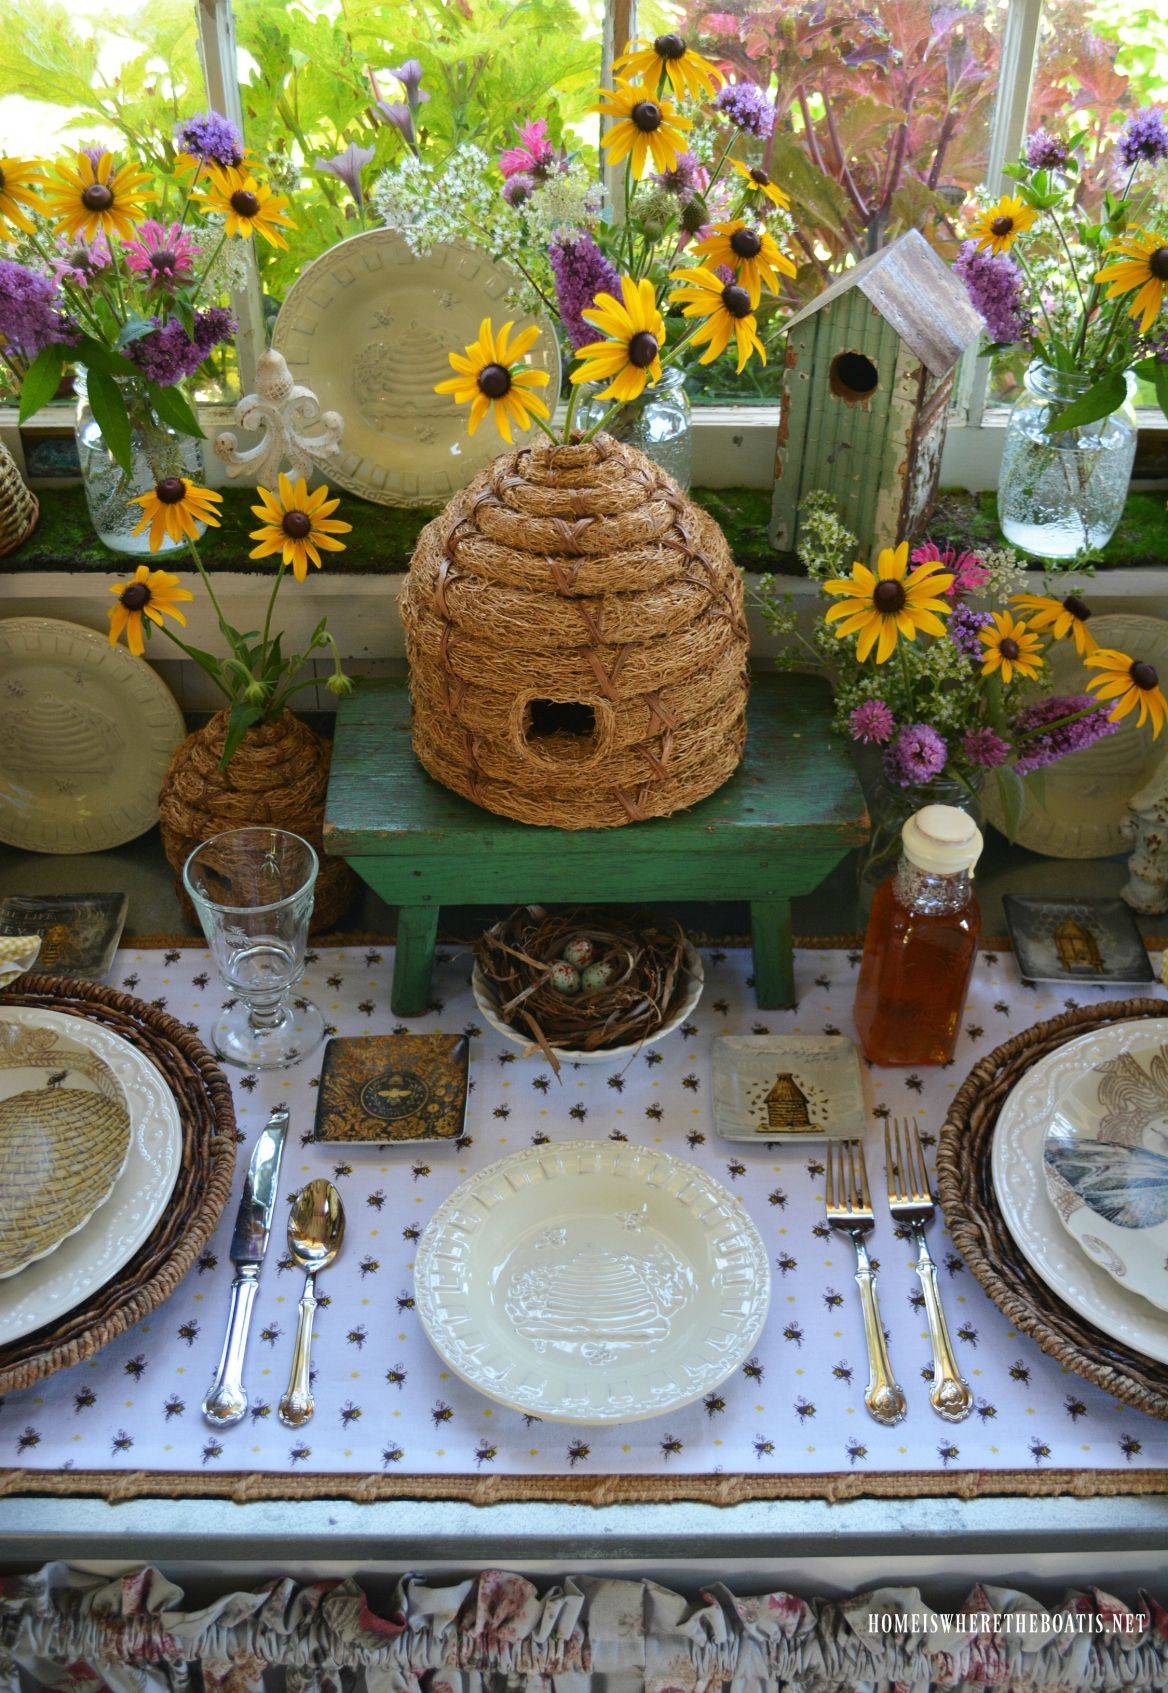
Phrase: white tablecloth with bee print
x=385 y=1403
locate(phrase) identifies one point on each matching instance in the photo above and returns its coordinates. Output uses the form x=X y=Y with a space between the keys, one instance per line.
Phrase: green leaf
x=133 y=330
x=41 y=380
x=240 y=719
x=111 y=416
x=1100 y=400
x=174 y=408
x=1011 y=798
x=205 y=660
x=95 y=355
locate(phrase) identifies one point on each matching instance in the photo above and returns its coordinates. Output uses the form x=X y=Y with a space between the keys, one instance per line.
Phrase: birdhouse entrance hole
x=852 y=377
x=560 y=729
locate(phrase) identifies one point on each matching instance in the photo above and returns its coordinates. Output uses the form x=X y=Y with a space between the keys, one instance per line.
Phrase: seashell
x=565 y=978
x=61 y=1151
x=579 y=951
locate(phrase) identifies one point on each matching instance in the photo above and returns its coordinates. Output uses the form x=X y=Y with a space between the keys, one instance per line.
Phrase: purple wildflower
x=80 y=262
x=210 y=137
x=984 y=748
x=1045 y=151
x=397 y=113
x=963 y=626
x=1144 y=138
x=994 y=284
x=747 y=107
x=167 y=354
x=1055 y=743
x=917 y=755
x=518 y=188
x=872 y=722
x=581 y=272
x=29 y=316
x=688 y=177
x=409 y=73
x=347 y=168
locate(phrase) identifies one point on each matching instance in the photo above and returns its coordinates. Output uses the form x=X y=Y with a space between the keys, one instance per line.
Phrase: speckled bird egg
x=564 y=977
x=598 y=976
x=579 y=951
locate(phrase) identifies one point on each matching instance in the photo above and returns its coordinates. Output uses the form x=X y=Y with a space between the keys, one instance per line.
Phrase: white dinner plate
x=1030 y=1216
x=592 y=1282
x=86 y=1261
x=1105 y=1154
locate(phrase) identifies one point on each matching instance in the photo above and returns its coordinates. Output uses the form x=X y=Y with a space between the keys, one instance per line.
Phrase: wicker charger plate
x=965 y=1189
x=200 y=1193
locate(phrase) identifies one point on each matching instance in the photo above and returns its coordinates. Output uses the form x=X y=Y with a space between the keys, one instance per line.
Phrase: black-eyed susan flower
x=1131 y=683
x=672 y=57
x=630 y=356
x=758 y=181
x=88 y=195
x=1062 y=617
x=725 y=310
x=648 y=131
x=997 y=227
x=751 y=253
x=490 y=378
x=152 y=594
x=247 y=206
x=1139 y=268
x=20 y=181
x=1011 y=647
x=174 y=508
x=297 y=525
x=882 y=605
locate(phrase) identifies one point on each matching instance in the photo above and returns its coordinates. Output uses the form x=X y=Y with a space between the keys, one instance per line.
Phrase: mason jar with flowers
x=119 y=278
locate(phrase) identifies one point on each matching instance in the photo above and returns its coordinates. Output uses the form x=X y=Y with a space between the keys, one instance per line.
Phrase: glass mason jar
x=1061 y=494
x=658 y=423
x=156 y=451
x=889 y=809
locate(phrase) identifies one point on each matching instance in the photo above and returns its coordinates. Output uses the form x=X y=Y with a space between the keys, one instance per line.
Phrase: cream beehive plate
x=368 y=327
x=592 y=1282
x=86 y=734
x=87 y=1259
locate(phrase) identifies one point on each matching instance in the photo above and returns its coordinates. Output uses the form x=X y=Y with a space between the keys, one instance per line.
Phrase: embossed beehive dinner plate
x=368 y=328
x=86 y=734
x=592 y=1282
x=64 y=1136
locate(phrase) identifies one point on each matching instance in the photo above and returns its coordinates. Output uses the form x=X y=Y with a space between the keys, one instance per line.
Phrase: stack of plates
x=90 y=1146
x=1080 y=1171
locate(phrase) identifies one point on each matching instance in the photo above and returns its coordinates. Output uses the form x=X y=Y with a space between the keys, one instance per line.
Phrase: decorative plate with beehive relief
x=385 y=1088
x=369 y=326
x=1076 y=940
x=769 y=1088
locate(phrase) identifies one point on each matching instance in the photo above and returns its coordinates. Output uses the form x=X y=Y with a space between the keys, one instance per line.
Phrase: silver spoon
x=316 y=1228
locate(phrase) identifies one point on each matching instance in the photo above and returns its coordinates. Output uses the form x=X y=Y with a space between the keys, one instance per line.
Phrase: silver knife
x=226 y=1401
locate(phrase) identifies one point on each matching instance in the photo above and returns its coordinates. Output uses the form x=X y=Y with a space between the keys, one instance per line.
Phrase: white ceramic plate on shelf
x=89 y=1258
x=1031 y=1217
x=1105 y=1154
x=592 y=1282
x=368 y=327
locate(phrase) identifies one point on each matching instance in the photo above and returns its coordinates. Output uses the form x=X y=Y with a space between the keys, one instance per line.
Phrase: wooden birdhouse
x=866 y=394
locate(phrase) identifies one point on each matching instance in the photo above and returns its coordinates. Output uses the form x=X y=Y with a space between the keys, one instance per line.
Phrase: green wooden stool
x=782 y=821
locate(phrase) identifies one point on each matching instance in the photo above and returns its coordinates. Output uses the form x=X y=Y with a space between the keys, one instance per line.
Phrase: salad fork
x=851 y=1213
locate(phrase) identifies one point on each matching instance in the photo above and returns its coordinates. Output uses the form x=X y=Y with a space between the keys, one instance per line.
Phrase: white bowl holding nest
x=695 y=981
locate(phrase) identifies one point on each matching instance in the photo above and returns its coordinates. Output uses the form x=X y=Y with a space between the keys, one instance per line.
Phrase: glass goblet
x=253 y=889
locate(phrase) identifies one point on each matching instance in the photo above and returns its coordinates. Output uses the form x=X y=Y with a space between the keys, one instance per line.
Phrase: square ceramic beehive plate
x=1076 y=940
x=79 y=932
x=382 y=1089
x=787 y=1087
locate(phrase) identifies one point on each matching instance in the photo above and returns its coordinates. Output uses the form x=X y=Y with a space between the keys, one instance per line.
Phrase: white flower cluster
x=1007 y=575
x=228 y=270
x=567 y=200
x=459 y=202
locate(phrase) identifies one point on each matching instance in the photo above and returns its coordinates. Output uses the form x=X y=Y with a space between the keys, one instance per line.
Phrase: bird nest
x=577 y=641
x=634 y=979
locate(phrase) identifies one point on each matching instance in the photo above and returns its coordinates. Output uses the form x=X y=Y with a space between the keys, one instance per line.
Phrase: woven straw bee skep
x=579 y=575
x=19 y=508
x=278 y=776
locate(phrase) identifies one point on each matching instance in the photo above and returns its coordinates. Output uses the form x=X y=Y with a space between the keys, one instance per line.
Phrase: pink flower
x=970 y=572
x=80 y=261
x=872 y=722
x=164 y=255
x=534 y=153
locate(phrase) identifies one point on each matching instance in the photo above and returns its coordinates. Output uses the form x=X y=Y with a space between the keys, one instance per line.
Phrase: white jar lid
x=941 y=839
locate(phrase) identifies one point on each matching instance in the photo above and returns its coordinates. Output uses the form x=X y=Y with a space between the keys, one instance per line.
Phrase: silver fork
x=852 y=1214
x=910 y=1201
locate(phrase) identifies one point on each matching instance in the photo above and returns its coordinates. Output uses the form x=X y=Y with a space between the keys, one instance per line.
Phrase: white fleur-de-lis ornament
x=293 y=429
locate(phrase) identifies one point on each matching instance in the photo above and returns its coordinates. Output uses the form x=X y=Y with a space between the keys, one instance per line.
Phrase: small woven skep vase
x=19 y=507
x=577 y=642
x=278 y=775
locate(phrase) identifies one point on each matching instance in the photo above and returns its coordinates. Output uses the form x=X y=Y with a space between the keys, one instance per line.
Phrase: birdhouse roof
x=917 y=294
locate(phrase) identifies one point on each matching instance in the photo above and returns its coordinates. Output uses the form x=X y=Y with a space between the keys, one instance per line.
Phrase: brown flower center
x=642 y=349
x=747 y=243
x=646 y=114
x=889 y=598
x=162 y=260
x=1008 y=648
x=1158 y=264
x=1 y=182
x=736 y=300
x=1001 y=226
x=494 y=381
x=97 y=197
x=170 y=490
x=1144 y=675
x=296 y=525
x=760 y=178
x=136 y=596
x=669 y=47
x=1077 y=607
x=245 y=202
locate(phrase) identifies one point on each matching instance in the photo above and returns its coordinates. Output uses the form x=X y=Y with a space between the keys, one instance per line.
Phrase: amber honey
x=914 y=978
